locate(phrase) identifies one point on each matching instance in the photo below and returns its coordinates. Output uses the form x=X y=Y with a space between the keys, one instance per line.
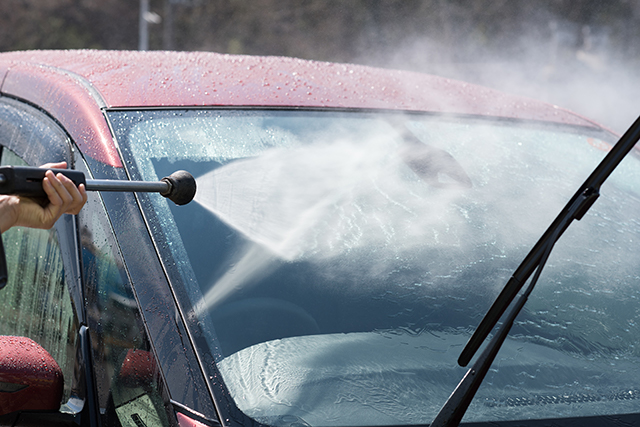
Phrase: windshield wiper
x=455 y=407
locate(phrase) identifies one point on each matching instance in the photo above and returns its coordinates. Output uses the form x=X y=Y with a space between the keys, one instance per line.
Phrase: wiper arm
x=454 y=408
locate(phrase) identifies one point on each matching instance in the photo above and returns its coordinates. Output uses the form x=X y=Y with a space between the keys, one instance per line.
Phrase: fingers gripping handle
x=27 y=181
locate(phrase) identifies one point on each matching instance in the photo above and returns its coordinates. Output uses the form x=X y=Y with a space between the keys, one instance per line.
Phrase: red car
x=350 y=229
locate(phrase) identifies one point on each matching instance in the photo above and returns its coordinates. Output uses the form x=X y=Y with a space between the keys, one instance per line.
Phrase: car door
x=45 y=297
x=69 y=291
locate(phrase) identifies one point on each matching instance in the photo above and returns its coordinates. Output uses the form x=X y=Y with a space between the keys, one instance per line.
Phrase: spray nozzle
x=182 y=187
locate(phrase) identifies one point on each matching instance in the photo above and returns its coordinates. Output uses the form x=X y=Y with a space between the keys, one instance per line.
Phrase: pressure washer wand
x=179 y=187
x=161 y=187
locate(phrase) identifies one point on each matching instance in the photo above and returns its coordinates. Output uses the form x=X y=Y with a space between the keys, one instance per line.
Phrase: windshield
x=337 y=262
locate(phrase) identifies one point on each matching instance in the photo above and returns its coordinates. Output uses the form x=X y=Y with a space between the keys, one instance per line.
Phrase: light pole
x=146 y=17
x=143 y=26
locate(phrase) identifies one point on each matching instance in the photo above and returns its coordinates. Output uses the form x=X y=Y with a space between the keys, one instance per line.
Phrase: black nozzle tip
x=182 y=187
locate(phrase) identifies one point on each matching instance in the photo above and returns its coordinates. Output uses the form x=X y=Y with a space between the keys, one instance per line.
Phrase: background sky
x=579 y=54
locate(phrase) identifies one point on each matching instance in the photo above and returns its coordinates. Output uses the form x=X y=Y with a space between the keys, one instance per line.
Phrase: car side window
x=36 y=302
x=127 y=376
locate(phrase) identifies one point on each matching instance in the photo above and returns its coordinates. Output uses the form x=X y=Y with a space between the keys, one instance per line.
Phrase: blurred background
x=579 y=54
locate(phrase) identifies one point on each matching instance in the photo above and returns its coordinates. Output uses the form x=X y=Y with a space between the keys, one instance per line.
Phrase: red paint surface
x=69 y=102
x=23 y=361
x=155 y=79
x=184 y=421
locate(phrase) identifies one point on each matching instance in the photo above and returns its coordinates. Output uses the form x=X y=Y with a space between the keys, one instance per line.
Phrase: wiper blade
x=454 y=408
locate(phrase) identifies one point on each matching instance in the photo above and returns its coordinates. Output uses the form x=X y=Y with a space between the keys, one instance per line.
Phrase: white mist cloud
x=574 y=66
x=324 y=199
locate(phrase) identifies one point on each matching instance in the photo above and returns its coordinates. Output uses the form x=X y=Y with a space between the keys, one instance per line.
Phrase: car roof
x=75 y=86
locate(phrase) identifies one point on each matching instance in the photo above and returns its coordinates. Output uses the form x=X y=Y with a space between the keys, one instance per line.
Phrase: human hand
x=64 y=197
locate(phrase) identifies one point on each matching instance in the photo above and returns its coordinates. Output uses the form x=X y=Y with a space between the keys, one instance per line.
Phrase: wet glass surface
x=125 y=369
x=338 y=262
